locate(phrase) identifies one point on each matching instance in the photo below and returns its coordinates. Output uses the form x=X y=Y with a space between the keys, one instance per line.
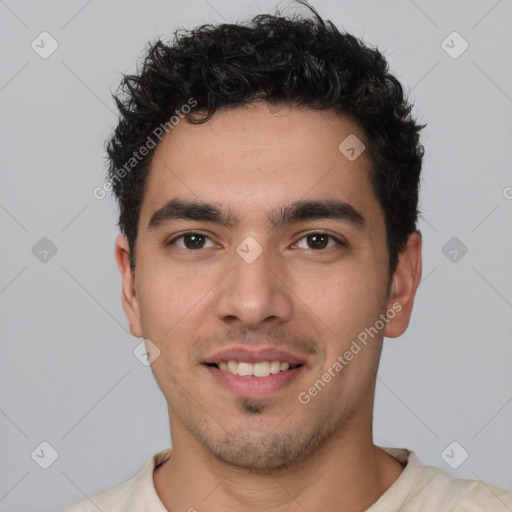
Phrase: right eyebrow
x=177 y=209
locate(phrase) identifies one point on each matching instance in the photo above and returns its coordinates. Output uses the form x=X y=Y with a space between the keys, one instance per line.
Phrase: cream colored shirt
x=418 y=489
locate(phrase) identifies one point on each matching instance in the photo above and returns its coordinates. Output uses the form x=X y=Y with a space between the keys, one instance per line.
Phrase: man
x=267 y=176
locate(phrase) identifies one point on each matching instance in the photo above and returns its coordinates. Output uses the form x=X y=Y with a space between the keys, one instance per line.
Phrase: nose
x=255 y=294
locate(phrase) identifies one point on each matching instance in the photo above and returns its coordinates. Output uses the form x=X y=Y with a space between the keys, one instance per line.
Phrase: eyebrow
x=179 y=209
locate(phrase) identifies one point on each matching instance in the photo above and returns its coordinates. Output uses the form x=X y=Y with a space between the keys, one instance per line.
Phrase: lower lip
x=254 y=387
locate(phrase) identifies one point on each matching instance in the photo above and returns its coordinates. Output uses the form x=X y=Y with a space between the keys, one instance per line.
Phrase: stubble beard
x=257 y=450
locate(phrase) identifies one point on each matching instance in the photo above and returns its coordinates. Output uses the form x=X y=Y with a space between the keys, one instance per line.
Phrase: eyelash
x=336 y=239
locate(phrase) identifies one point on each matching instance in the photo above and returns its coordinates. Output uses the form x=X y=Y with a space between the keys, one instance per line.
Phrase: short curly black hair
x=301 y=61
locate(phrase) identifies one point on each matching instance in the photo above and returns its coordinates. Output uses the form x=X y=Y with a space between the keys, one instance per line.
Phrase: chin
x=260 y=450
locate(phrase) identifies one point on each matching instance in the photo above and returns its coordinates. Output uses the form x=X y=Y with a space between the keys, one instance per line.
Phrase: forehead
x=257 y=156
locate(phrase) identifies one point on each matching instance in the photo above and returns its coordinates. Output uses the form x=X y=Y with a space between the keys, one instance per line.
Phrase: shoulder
x=429 y=488
x=136 y=494
x=114 y=499
x=435 y=488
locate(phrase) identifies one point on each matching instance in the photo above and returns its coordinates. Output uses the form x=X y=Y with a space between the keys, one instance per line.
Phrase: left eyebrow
x=297 y=211
x=315 y=210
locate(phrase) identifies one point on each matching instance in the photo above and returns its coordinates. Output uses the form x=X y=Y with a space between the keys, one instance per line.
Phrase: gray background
x=68 y=373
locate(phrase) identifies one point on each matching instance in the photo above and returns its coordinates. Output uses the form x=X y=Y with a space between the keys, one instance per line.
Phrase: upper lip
x=254 y=355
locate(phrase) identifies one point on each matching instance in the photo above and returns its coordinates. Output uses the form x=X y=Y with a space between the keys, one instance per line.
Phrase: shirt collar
x=145 y=497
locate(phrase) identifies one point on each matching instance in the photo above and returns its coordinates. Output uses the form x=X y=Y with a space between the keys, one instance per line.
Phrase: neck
x=347 y=473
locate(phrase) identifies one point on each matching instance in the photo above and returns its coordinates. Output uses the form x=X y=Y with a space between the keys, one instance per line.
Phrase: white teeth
x=275 y=367
x=259 y=369
x=245 y=369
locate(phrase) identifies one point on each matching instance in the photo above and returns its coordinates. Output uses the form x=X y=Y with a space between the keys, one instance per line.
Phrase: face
x=277 y=271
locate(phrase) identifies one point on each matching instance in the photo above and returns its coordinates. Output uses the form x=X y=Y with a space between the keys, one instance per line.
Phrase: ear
x=128 y=295
x=406 y=280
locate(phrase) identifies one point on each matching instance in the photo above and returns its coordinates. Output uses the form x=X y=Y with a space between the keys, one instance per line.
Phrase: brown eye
x=191 y=241
x=319 y=241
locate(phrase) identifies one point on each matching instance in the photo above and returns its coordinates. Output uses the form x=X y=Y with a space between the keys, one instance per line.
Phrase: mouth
x=259 y=369
x=254 y=372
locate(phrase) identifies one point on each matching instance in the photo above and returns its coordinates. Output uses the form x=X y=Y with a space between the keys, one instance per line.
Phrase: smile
x=257 y=369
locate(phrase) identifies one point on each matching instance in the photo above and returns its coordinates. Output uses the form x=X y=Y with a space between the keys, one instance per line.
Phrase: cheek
x=167 y=293
x=163 y=300
x=173 y=306
x=343 y=298
x=343 y=305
